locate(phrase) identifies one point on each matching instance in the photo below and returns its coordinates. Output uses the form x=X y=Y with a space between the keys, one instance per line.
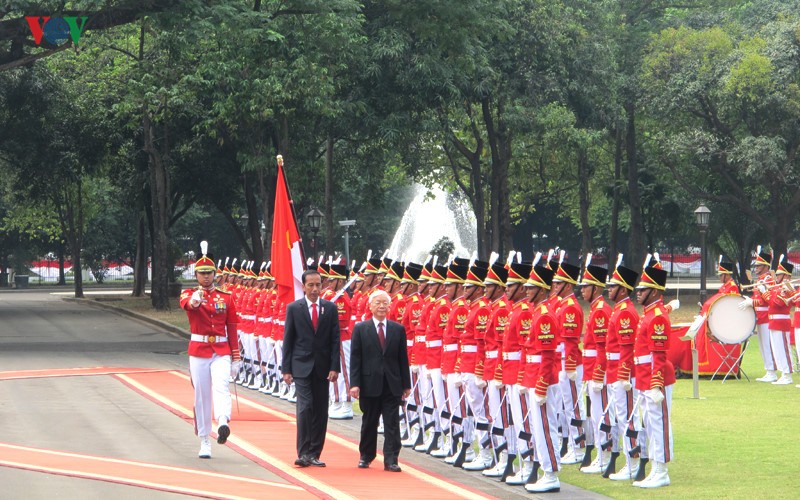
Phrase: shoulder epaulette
x=657 y=312
x=570 y=301
x=226 y=292
x=524 y=306
x=415 y=298
x=502 y=303
x=443 y=302
x=543 y=309
x=623 y=306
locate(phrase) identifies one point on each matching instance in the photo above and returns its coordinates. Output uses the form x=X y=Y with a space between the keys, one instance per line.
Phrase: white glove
x=674 y=304
x=496 y=383
x=197 y=299
x=445 y=377
x=456 y=379
x=626 y=385
x=762 y=288
x=595 y=386
x=523 y=389
x=235 y=367
x=655 y=395
x=572 y=375
x=614 y=385
x=415 y=368
x=480 y=383
x=540 y=400
x=744 y=304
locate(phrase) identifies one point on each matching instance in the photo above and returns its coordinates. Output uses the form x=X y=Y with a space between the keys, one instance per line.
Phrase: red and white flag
x=287 y=250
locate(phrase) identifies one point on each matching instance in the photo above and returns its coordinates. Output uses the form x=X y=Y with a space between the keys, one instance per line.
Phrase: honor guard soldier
x=594 y=362
x=658 y=378
x=780 y=300
x=760 y=302
x=213 y=347
x=341 y=407
x=619 y=377
x=411 y=317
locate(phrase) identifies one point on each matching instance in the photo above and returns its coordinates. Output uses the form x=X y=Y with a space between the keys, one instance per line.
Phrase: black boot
x=534 y=473
x=587 y=457
x=564 y=446
x=509 y=470
x=640 y=475
x=612 y=465
x=434 y=443
x=462 y=454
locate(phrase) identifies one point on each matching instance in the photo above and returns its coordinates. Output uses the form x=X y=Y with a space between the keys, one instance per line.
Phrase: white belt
x=435 y=343
x=249 y=317
x=533 y=358
x=761 y=308
x=640 y=360
x=512 y=356
x=409 y=343
x=779 y=316
x=590 y=353
x=612 y=355
x=469 y=348
x=491 y=354
x=211 y=339
x=419 y=338
x=450 y=347
x=264 y=320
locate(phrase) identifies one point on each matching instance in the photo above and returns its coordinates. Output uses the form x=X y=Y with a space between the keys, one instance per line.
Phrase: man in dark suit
x=380 y=378
x=311 y=360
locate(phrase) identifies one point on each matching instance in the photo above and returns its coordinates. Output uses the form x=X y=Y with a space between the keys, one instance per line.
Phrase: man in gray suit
x=380 y=379
x=311 y=360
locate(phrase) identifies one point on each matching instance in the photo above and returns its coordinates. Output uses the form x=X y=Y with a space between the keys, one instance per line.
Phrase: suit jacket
x=369 y=365
x=306 y=351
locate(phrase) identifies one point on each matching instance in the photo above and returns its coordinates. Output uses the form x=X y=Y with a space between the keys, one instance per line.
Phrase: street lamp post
x=702 y=215
x=314 y=217
x=346 y=224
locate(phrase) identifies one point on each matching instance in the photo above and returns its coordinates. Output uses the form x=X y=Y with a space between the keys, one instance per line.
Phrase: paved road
x=96 y=415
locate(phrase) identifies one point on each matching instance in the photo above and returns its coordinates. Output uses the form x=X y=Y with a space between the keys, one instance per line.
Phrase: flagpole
x=291 y=205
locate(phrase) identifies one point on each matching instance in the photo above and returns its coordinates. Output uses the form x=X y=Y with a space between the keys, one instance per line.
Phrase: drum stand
x=727 y=358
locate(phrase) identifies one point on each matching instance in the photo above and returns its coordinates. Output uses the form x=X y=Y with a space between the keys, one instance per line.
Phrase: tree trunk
x=636 y=235
x=62 y=278
x=140 y=262
x=583 y=200
x=160 y=201
x=500 y=151
x=615 y=200
x=267 y=203
x=329 y=246
x=254 y=248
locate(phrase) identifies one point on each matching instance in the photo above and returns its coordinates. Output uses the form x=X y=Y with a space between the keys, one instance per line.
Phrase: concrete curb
x=141 y=317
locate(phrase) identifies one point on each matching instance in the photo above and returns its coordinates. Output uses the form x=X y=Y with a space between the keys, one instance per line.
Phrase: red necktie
x=314 y=317
x=381 y=336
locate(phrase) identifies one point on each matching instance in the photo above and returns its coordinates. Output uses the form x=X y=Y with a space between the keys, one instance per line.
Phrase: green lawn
x=737 y=441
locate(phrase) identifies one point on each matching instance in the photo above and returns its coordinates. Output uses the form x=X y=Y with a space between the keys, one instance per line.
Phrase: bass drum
x=727 y=324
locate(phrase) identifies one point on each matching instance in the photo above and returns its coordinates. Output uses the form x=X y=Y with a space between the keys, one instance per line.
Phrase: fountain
x=433 y=214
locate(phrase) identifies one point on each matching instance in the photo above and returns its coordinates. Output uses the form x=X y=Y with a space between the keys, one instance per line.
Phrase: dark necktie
x=314 y=316
x=381 y=336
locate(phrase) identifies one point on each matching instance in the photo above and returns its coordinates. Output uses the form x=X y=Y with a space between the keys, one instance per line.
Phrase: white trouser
x=779 y=341
x=268 y=355
x=765 y=347
x=475 y=397
x=545 y=430
x=574 y=405
x=497 y=410
x=425 y=396
x=627 y=416
x=252 y=348
x=279 y=358
x=457 y=406
x=438 y=397
x=520 y=416
x=600 y=401
x=340 y=390
x=210 y=381
x=657 y=420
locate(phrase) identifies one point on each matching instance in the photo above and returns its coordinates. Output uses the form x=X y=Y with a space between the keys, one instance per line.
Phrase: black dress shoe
x=363 y=464
x=315 y=462
x=301 y=462
x=222 y=434
x=392 y=468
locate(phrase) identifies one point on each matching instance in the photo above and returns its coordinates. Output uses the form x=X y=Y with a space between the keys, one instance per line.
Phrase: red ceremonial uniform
x=624 y=323
x=501 y=311
x=529 y=371
x=544 y=334
x=434 y=334
x=411 y=315
x=779 y=309
x=654 y=329
x=215 y=318
x=761 y=299
x=570 y=317
x=420 y=348
x=344 y=309
x=519 y=326
x=471 y=353
x=398 y=308
x=456 y=323
x=594 y=341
